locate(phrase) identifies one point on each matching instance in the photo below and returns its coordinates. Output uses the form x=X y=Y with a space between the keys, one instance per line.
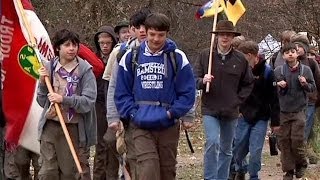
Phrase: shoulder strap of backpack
x=281 y=70
x=134 y=63
x=267 y=71
x=302 y=70
x=134 y=58
x=273 y=59
x=53 y=65
x=122 y=51
x=173 y=58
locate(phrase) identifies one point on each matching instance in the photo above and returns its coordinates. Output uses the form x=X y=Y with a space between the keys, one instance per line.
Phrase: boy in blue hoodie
x=154 y=92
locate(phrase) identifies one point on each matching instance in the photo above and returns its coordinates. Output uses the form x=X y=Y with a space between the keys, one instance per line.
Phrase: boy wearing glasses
x=105 y=162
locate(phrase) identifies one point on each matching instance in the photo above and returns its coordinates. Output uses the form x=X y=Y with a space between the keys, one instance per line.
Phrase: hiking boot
x=312 y=156
x=300 y=171
x=240 y=176
x=313 y=159
x=288 y=175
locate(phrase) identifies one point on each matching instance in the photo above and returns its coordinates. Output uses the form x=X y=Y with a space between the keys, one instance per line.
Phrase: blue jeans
x=218 y=148
x=249 y=138
x=310 y=121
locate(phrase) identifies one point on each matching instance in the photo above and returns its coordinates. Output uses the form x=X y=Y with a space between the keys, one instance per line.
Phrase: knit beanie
x=301 y=40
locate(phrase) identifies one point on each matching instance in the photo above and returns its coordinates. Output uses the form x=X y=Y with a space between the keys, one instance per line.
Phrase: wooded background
x=261 y=18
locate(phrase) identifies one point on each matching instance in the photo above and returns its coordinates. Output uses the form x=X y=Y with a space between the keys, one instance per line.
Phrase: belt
x=155 y=103
x=289 y=112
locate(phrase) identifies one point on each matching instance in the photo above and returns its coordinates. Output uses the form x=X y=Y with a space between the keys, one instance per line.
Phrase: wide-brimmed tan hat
x=225 y=26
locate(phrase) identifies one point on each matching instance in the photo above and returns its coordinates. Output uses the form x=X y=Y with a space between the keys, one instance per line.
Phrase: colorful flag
x=233 y=9
x=21 y=65
x=207 y=10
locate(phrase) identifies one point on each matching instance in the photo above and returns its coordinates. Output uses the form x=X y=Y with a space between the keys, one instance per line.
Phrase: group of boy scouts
x=147 y=94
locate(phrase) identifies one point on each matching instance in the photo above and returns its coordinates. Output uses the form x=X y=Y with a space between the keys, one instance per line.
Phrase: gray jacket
x=293 y=98
x=83 y=102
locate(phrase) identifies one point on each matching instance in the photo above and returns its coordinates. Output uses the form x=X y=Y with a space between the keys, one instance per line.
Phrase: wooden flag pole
x=215 y=19
x=49 y=86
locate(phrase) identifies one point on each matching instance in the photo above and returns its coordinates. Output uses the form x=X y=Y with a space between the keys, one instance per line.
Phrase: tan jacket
x=112 y=58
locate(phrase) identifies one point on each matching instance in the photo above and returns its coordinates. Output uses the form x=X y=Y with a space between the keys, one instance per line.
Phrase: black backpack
x=134 y=58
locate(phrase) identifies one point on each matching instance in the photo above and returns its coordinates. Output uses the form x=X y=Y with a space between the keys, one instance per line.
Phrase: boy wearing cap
x=231 y=82
x=122 y=30
x=294 y=80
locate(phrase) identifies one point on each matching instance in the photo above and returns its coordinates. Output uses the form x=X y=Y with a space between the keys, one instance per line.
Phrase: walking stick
x=215 y=18
x=49 y=86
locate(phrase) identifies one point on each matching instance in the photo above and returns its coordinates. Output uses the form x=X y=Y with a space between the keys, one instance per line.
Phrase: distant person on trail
x=122 y=30
x=237 y=41
x=231 y=82
x=276 y=59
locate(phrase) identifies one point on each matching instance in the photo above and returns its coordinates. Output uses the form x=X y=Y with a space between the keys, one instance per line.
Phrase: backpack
x=273 y=59
x=267 y=71
x=134 y=58
x=134 y=65
x=302 y=67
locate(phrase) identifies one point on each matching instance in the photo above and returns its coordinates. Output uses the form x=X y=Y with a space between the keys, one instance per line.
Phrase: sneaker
x=288 y=175
x=300 y=171
x=240 y=176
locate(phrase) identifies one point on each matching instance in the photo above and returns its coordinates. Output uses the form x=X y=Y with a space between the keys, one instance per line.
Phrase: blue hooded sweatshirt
x=156 y=87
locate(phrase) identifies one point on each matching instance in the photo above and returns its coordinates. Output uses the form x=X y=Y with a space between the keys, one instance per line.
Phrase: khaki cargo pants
x=156 y=152
x=56 y=157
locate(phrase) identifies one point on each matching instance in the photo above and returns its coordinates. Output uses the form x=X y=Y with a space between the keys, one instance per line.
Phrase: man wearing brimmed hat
x=231 y=82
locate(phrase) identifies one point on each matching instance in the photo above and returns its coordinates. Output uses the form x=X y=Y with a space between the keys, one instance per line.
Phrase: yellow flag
x=233 y=9
x=211 y=11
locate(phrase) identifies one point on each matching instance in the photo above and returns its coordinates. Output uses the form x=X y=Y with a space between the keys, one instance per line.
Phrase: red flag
x=21 y=66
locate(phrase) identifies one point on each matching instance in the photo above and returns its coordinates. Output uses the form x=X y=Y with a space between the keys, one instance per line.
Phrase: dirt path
x=190 y=166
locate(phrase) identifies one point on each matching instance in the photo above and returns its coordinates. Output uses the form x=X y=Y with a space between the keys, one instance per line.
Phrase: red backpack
x=88 y=55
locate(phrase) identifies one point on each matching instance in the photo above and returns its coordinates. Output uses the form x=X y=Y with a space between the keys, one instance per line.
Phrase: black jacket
x=232 y=83
x=101 y=83
x=263 y=102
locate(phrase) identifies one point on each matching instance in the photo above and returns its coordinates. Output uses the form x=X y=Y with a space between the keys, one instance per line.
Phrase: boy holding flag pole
x=220 y=107
x=20 y=20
